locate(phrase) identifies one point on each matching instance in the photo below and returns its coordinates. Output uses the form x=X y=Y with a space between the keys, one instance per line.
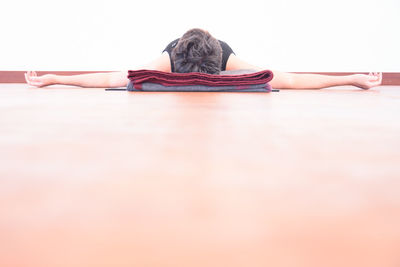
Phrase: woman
x=198 y=51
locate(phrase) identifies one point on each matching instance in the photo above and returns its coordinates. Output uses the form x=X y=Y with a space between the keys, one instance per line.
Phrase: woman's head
x=197 y=51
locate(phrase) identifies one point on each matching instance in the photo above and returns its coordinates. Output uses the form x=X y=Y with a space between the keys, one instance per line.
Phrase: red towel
x=195 y=78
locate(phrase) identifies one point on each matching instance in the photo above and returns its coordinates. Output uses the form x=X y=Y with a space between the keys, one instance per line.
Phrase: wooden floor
x=90 y=177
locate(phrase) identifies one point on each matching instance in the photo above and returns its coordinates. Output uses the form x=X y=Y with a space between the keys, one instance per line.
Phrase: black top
x=226 y=52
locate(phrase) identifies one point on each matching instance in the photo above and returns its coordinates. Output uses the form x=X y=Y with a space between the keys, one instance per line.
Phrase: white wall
x=288 y=35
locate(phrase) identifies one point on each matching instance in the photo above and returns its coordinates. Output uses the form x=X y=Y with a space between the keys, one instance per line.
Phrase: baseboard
x=18 y=76
x=389 y=78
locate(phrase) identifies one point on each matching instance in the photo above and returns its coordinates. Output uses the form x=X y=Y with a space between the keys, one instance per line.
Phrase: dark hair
x=197 y=51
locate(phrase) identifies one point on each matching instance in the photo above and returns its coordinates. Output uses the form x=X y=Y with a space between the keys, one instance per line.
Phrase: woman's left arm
x=287 y=80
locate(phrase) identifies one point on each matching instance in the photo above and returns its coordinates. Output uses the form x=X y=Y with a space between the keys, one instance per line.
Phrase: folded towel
x=155 y=87
x=139 y=77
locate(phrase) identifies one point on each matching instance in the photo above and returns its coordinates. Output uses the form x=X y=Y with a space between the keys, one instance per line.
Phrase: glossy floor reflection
x=297 y=178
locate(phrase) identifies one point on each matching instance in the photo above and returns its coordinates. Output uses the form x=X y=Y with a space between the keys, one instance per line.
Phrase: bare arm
x=107 y=79
x=285 y=80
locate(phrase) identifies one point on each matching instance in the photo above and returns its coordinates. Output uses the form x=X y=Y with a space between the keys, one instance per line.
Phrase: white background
x=287 y=35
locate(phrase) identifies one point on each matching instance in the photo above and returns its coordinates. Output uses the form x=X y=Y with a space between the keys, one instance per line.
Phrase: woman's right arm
x=107 y=79
x=101 y=80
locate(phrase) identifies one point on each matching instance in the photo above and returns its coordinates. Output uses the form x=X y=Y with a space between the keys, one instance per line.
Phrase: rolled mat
x=139 y=79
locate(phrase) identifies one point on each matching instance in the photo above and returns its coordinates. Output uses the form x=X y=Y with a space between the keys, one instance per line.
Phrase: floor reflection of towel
x=229 y=81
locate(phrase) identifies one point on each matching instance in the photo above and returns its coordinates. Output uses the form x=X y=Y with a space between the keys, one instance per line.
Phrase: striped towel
x=228 y=81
